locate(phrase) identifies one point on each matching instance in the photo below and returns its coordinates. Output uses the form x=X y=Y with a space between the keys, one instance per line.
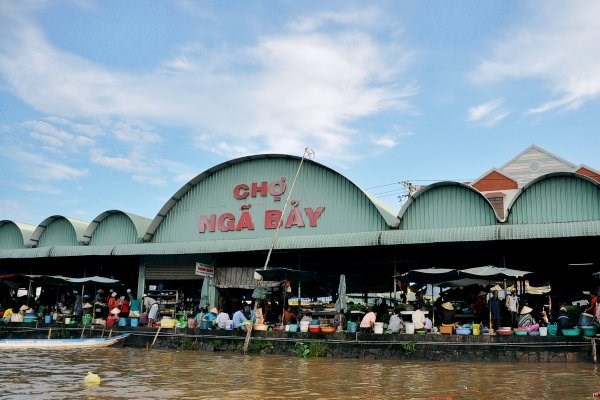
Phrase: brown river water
x=128 y=373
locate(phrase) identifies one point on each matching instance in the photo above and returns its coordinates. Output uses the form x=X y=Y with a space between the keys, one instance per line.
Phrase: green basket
x=552 y=329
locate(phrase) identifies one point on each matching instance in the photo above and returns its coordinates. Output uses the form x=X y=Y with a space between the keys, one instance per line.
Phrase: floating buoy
x=91 y=379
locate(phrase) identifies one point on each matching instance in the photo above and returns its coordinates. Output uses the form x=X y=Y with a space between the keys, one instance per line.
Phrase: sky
x=117 y=104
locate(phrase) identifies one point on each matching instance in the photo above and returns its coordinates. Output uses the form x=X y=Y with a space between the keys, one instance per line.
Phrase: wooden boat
x=60 y=344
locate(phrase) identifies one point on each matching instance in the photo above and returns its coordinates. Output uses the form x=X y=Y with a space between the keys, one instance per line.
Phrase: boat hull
x=60 y=343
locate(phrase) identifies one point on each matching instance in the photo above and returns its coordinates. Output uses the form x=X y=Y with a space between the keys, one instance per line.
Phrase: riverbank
x=433 y=347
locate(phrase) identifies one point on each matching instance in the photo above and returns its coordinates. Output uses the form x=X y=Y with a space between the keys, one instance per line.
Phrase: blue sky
x=117 y=104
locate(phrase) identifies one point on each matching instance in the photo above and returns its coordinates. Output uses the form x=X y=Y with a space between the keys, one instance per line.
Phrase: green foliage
x=409 y=348
x=357 y=307
x=190 y=344
x=256 y=346
x=312 y=349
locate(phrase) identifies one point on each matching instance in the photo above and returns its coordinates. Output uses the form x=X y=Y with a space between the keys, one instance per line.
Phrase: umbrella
x=340 y=304
x=492 y=272
x=429 y=275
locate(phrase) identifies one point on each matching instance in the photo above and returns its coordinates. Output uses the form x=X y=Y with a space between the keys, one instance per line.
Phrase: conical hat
x=448 y=306
x=115 y=311
x=23 y=308
x=526 y=310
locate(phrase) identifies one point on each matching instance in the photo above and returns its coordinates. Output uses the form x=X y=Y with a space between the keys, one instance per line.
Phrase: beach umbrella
x=340 y=304
x=492 y=272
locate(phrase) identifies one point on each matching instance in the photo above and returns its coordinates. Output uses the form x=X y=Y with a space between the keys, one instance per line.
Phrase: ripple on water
x=158 y=374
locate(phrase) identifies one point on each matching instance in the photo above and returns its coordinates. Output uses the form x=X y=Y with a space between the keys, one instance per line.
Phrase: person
x=99 y=296
x=447 y=313
x=200 y=315
x=562 y=322
x=395 y=325
x=288 y=316
x=7 y=314
x=221 y=320
x=134 y=306
x=78 y=306
x=368 y=322
x=418 y=317
x=496 y=310
x=592 y=308
x=125 y=306
x=307 y=317
x=211 y=315
x=428 y=324
x=151 y=306
x=526 y=320
x=113 y=302
x=336 y=321
x=258 y=314
x=512 y=303
x=239 y=319
x=479 y=306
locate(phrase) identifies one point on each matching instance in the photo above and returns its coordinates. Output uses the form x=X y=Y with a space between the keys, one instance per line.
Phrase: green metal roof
x=355 y=239
x=344 y=207
x=58 y=230
x=116 y=227
x=446 y=205
x=556 y=197
x=14 y=235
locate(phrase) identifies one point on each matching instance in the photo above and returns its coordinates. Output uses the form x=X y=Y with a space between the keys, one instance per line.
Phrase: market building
x=548 y=221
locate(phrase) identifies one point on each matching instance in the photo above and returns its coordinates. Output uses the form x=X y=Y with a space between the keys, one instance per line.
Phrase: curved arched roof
x=120 y=230
x=279 y=165
x=446 y=205
x=556 y=197
x=14 y=234
x=58 y=230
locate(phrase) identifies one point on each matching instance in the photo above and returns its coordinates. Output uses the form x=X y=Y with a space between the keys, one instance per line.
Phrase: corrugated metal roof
x=557 y=197
x=39 y=252
x=116 y=227
x=74 y=251
x=446 y=205
x=491 y=233
x=346 y=208
x=58 y=230
x=14 y=235
x=360 y=239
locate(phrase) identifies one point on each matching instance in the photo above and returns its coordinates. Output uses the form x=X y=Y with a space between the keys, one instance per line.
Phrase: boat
x=60 y=344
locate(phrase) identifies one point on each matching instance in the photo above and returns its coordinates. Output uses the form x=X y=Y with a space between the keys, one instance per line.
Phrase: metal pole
x=307 y=154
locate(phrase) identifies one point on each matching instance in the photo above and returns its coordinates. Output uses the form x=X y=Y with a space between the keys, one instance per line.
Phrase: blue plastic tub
x=352 y=327
x=123 y=321
x=134 y=322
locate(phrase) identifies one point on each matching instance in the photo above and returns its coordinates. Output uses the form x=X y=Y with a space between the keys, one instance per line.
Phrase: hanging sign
x=205 y=270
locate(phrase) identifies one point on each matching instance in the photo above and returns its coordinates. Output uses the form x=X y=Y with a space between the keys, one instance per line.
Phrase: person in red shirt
x=125 y=304
x=113 y=302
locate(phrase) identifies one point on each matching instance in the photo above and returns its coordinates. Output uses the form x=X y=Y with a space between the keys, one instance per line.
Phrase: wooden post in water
x=49 y=333
x=155 y=337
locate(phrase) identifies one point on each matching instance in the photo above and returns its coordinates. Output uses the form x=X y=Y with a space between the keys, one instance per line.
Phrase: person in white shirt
x=368 y=322
x=395 y=324
x=221 y=320
x=418 y=317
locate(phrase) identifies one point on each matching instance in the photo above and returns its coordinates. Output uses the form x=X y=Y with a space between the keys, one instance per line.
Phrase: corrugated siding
x=75 y=251
x=347 y=208
x=172 y=273
x=116 y=228
x=447 y=207
x=556 y=199
x=11 y=237
x=60 y=232
x=41 y=252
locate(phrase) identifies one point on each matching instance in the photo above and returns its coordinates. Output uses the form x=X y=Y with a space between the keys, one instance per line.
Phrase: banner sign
x=205 y=270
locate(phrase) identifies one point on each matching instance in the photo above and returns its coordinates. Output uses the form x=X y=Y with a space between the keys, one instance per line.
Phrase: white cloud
x=487 y=114
x=559 y=46
x=305 y=86
x=37 y=167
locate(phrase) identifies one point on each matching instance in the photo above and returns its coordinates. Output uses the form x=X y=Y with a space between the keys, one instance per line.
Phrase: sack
x=16 y=317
